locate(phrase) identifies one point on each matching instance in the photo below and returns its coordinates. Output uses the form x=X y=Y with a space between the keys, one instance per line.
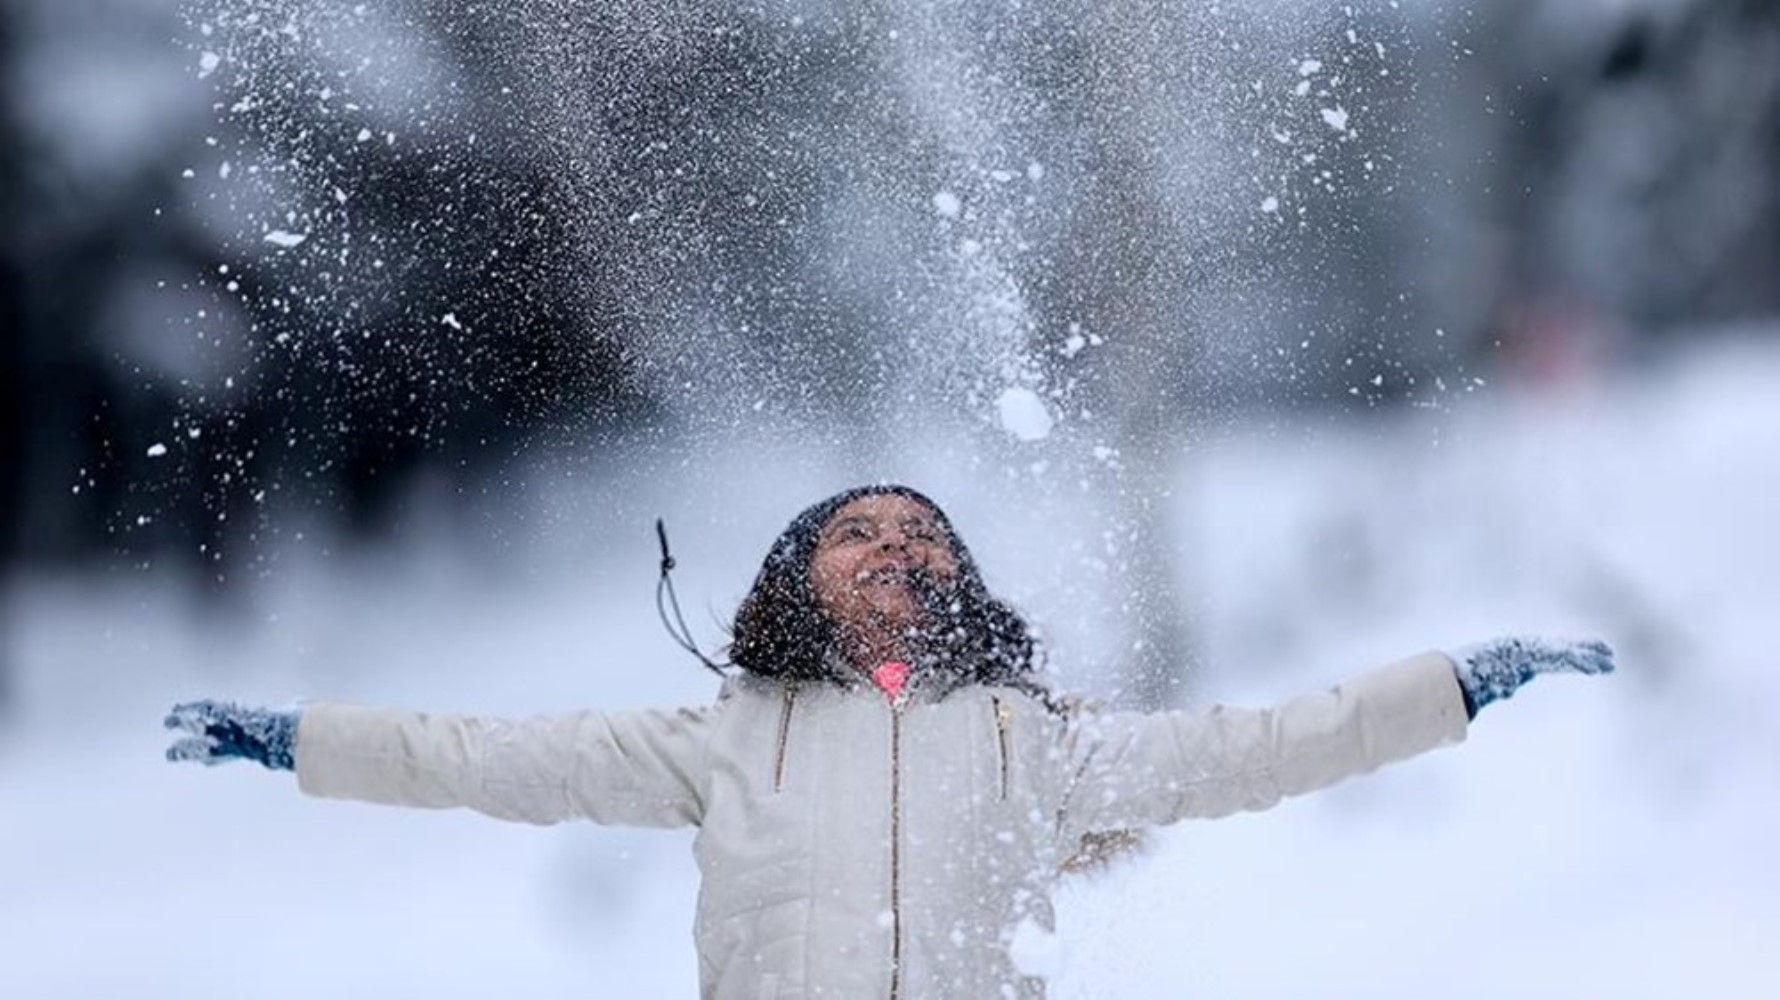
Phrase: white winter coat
x=852 y=849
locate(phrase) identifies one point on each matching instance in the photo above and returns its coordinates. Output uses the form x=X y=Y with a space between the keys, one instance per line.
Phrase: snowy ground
x=1593 y=838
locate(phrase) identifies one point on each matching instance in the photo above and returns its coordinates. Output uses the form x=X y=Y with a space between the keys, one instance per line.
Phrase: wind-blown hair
x=972 y=637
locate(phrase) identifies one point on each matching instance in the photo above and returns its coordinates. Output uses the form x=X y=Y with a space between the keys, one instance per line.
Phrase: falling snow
x=952 y=237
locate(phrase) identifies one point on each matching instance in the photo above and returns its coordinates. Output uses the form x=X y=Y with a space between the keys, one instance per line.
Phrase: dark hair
x=974 y=637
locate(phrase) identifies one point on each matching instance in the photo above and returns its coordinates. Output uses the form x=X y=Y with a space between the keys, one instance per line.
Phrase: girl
x=885 y=792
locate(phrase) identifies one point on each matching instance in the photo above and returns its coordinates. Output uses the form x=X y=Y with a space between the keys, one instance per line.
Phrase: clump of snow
x=1023 y=414
x=947 y=205
x=285 y=239
x=1335 y=118
x=1270 y=204
x=1035 y=951
x=157 y=450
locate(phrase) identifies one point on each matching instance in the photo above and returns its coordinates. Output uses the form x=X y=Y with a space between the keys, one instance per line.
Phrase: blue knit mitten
x=223 y=731
x=1492 y=670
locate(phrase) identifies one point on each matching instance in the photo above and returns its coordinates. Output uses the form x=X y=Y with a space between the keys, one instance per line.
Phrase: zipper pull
x=1004 y=723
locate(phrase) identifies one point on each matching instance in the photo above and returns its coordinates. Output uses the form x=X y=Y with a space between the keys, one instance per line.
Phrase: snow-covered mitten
x=223 y=731
x=1492 y=670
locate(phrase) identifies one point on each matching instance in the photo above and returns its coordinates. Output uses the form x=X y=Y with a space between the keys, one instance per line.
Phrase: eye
x=852 y=531
x=922 y=530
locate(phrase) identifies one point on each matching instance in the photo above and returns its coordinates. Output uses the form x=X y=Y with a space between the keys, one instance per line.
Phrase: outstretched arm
x=1137 y=769
x=1145 y=769
x=642 y=768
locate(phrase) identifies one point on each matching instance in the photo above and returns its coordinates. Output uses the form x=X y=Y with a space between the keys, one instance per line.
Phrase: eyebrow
x=840 y=522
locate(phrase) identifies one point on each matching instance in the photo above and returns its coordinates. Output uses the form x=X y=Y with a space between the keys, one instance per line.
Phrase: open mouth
x=900 y=576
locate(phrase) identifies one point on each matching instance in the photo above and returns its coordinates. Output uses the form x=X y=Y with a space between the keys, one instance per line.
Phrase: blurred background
x=352 y=349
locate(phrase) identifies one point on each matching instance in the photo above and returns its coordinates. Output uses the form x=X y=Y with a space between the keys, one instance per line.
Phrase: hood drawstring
x=682 y=635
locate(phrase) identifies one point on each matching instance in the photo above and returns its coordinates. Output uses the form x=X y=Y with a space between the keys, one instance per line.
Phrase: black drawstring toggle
x=667 y=559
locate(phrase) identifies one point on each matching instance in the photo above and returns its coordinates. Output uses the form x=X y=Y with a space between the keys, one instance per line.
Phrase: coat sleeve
x=1129 y=769
x=641 y=768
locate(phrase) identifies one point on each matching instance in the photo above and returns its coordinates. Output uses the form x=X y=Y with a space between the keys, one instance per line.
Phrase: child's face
x=866 y=557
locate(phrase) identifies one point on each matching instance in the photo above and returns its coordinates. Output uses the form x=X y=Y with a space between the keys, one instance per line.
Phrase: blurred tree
x=14 y=360
x=433 y=314
x=1638 y=179
x=1124 y=271
x=686 y=148
x=1231 y=202
x=183 y=376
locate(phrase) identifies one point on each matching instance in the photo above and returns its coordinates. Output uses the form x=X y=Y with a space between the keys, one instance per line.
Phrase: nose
x=895 y=536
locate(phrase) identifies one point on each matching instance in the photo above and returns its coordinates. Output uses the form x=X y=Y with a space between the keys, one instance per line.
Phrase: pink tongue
x=890 y=677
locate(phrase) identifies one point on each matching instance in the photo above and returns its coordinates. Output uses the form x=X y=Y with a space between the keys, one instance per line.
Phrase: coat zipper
x=1003 y=726
x=784 y=738
x=896 y=849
